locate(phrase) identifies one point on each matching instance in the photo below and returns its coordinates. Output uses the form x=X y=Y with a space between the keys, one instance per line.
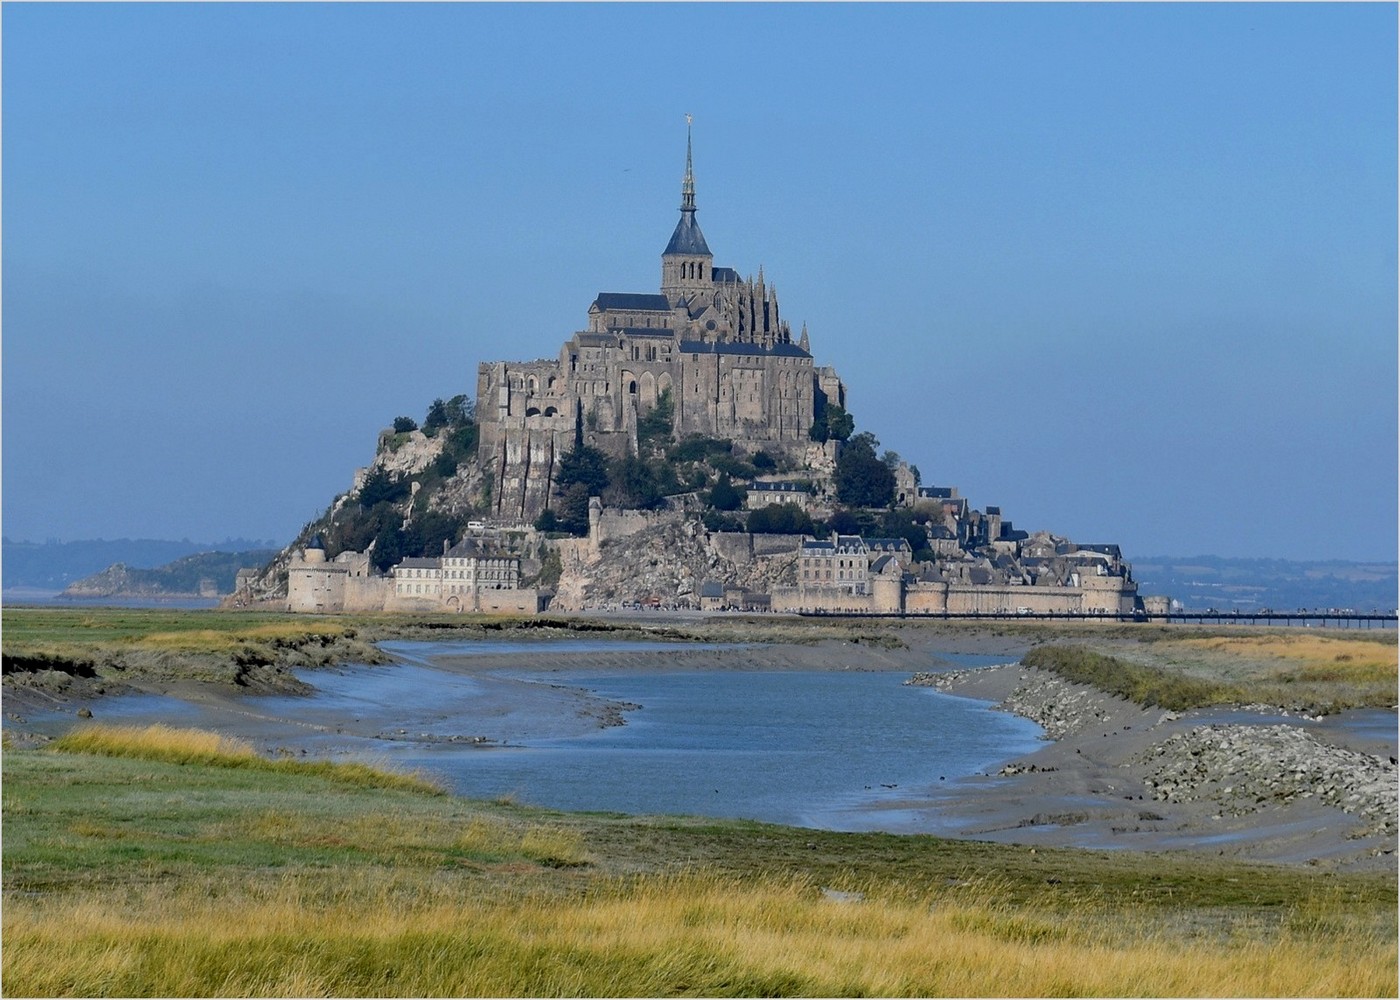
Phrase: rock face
x=1241 y=768
x=665 y=562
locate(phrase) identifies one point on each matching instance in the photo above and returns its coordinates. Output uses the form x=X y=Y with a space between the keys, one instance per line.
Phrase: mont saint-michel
x=683 y=449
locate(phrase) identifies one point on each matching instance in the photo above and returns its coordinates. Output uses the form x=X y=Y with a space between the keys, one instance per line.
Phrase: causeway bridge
x=1334 y=618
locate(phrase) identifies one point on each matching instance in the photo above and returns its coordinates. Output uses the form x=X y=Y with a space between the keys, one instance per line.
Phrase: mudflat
x=1257 y=783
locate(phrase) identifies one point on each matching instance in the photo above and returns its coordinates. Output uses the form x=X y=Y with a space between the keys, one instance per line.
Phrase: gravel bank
x=1118 y=775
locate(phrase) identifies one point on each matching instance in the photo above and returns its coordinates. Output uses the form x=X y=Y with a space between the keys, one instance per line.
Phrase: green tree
x=632 y=484
x=445 y=465
x=839 y=423
x=437 y=417
x=585 y=466
x=380 y=487
x=901 y=524
x=850 y=522
x=402 y=425
x=656 y=424
x=547 y=521
x=862 y=480
x=461 y=410
x=781 y=519
x=463 y=440
x=388 y=545
x=725 y=496
x=425 y=534
x=573 y=510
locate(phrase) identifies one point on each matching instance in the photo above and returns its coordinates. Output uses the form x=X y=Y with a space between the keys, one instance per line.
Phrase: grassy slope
x=133 y=876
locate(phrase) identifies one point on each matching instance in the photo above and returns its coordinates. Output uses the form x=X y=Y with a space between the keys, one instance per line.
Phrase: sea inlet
x=829 y=749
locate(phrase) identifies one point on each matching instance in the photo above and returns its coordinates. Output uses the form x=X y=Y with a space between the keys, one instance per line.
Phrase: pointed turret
x=686 y=263
x=804 y=343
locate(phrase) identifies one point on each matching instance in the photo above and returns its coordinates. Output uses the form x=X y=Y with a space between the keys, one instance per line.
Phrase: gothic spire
x=688 y=185
x=687 y=238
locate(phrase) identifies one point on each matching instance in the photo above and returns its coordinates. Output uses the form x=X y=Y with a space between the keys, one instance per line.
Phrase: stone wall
x=1112 y=595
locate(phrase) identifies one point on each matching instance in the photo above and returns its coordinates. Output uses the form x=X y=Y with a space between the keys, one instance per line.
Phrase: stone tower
x=712 y=343
x=687 y=266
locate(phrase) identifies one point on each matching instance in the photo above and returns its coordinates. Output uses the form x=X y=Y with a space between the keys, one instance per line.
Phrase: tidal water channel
x=830 y=749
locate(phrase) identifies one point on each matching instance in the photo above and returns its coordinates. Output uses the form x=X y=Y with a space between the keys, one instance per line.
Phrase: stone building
x=763 y=493
x=472 y=575
x=845 y=562
x=713 y=342
x=345 y=583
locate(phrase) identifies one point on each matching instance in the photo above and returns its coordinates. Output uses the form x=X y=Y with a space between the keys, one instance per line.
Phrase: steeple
x=686 y=266
x=688 y=185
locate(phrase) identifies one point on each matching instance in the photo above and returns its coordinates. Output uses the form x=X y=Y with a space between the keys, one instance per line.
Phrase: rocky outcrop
x=1242 y=768
x=665 y=562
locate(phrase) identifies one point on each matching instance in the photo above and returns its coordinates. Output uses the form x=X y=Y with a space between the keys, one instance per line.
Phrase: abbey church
x=713 y=342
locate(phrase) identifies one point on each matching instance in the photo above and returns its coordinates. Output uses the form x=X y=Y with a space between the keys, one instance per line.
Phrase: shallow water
x=810 y=748
x=823 y=749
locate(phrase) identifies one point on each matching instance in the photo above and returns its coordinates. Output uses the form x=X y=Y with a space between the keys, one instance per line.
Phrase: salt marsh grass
x=693 y=933
x=133 y=875
x=1301 y=670
x=194 y=746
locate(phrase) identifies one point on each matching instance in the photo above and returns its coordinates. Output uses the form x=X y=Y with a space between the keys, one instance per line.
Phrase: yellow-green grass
x=195 y=746
x=1312 y=657
x=136 y=876
x=1295 y=669
x=657 y=935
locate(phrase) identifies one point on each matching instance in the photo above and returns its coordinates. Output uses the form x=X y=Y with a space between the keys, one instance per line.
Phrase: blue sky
x=1128 y=271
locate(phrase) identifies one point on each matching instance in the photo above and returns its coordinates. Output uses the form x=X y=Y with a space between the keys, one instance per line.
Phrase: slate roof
x=645 y=332
x=785 y=487
x=725 y=275
x=878 y=566
x=416 y=562
x=711 y=588
x=776 y=351
x=687 y=239
x=936 y=492
x=887 y=543
x=1108 y=550
x=596 y=339
x=634 y=301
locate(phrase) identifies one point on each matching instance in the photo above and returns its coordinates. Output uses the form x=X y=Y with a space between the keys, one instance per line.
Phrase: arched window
x=632 y=388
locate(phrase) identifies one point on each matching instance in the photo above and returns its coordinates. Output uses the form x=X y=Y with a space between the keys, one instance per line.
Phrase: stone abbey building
x=713 y=341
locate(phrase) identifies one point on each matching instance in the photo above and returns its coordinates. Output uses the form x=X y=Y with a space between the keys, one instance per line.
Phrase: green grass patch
x=1144 y=685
